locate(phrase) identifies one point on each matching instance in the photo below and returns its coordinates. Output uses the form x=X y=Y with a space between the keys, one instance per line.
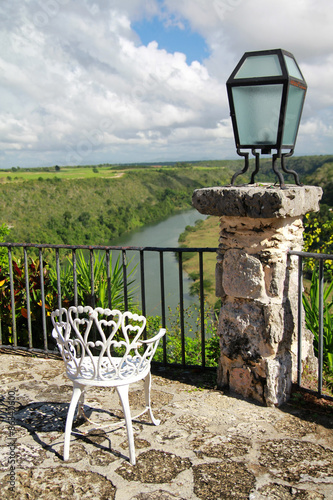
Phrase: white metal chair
x=102 y=347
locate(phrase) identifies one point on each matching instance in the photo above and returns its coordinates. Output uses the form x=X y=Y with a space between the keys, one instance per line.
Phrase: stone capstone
x=257 y=201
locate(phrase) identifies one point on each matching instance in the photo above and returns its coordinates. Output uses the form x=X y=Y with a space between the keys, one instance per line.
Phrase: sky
x=129 y=81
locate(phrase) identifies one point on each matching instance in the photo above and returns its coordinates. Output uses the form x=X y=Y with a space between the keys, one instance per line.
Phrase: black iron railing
x=41 y=249
x=321 y=258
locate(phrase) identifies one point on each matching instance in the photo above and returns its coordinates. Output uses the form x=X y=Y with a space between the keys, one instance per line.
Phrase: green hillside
x=97 y=209
x=95 y=204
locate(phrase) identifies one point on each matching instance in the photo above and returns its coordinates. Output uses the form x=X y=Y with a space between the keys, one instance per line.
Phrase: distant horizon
x=154 y=162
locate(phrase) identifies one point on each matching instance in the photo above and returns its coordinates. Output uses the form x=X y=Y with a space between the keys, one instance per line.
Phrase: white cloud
x=76 y=83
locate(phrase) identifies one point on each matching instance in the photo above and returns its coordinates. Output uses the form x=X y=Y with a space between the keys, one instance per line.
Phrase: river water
x=161 y=234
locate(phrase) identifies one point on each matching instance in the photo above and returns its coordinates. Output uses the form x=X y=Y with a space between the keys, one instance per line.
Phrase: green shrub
x=192 y=320
x=311 y=307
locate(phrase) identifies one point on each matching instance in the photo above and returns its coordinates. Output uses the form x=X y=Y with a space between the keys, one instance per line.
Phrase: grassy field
x=63 y=173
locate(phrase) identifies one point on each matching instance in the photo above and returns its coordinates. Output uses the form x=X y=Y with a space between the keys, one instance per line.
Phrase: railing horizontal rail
x=101 y=247
x=318 y=256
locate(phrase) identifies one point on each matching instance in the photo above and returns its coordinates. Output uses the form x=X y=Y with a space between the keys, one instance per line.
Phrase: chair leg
x=77 y=390
x=80 y=411
x=123 y=396
x=147 y=399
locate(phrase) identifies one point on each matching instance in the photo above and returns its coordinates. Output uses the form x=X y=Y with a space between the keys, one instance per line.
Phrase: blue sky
x=173 y=38
x=144 y=80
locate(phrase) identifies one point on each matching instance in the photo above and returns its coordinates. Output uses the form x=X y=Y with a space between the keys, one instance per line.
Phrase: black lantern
x=266 y=93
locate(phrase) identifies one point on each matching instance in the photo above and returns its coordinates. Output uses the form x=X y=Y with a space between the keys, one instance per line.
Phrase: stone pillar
x=257 y=282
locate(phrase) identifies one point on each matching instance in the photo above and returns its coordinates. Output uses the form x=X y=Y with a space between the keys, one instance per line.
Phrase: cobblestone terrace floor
x=209 y=445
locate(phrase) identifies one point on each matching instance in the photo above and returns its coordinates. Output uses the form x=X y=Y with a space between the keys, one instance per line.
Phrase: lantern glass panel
x=292 y=68
x=293 y=114
x=259 y=66
x=257 y=110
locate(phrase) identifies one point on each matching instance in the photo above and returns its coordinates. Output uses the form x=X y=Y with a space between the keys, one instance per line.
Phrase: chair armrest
x=153 y=339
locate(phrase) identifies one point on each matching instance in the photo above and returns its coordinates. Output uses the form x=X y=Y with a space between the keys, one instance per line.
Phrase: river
x=161 y=234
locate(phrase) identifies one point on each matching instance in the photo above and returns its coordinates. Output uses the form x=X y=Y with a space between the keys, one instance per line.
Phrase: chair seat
x=109 y=374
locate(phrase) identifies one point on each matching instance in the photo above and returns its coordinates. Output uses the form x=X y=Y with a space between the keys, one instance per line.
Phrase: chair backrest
x=102 y=344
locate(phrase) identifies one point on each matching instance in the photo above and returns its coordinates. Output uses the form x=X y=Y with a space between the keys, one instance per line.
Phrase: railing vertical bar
x=162 y=284
x=202 y=312
x=321 y=329
x=27 y=289
x=299 y=320
x=92 y=289
x=42 y=290
x=92 y=278
x=58 y=280
x=143 y=290
x=125 y=279
x=12 y=295
x=142 y=282
x=108 y=277
x=181 y=306
x=74 y=277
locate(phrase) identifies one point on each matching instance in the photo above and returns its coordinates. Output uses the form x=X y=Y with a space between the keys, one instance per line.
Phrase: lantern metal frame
x=284 y=79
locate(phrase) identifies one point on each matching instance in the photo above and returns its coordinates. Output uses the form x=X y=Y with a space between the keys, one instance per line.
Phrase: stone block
x=243 y=331
x=240 y=378
x=243 y=275
x=219 y=291
x=275 y=273
x=278 y=379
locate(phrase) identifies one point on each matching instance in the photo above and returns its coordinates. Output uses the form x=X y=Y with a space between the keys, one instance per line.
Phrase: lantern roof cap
x=266 y=65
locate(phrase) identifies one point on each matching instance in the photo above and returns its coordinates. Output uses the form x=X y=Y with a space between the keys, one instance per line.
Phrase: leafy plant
x=50 y=280
x=66 y=282
x=318 y=238
x=192 y=320
x=21 y=300
x=101 y=281
x=311 y=307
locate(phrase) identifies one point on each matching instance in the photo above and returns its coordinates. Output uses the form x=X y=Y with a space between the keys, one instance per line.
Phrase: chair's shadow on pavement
x=48 y=417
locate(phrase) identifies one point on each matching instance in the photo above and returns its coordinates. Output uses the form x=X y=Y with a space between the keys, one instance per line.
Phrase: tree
x=84 y=218
x=67 y=216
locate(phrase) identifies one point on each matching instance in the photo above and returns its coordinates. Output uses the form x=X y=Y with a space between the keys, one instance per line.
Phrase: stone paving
x=209 y=445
